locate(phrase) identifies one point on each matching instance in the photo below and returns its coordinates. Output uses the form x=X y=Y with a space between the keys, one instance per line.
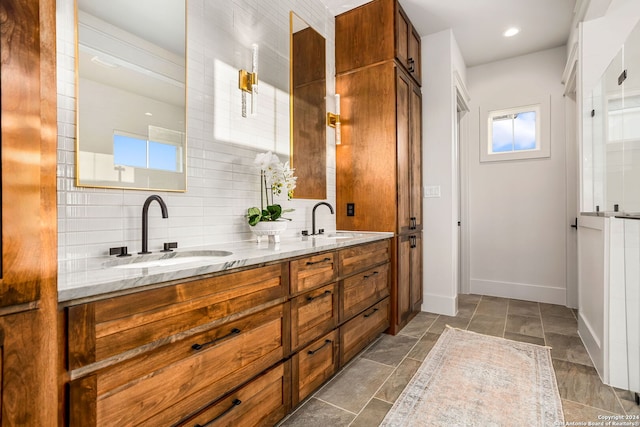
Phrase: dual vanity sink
x=196 y=256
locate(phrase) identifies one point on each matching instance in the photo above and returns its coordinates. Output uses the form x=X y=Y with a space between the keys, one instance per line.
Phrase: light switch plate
x=431 y=191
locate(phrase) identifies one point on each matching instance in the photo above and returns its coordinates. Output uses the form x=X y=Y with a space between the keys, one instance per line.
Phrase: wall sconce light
x=248 y=83
x=333 y=120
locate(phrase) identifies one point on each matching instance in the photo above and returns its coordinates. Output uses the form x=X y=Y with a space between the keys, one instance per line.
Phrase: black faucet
x=313 y=216
x=145 y=220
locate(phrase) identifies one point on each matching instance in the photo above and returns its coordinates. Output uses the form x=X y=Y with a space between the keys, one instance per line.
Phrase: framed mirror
x=308 y=110
x=131 y=94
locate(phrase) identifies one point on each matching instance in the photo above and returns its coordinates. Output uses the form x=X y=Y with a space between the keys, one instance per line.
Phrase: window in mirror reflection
x=136 y=151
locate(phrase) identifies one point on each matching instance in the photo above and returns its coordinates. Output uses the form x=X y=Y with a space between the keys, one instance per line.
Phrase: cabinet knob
x=234 y=403
x=234 y=331
x=411 y=67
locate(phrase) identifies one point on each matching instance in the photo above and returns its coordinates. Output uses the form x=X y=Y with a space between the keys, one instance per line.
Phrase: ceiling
x=478 y=24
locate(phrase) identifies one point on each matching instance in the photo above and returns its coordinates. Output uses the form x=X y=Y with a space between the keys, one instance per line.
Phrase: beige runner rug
x=470 y=379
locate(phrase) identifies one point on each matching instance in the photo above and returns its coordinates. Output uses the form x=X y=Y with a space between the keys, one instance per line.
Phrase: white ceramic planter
x=273 y=229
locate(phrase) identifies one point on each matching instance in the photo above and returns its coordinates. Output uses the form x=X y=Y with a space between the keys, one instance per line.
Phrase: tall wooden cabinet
x=379 y=163
x=28 y=296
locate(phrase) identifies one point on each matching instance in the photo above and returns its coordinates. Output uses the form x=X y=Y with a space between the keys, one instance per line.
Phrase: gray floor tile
x=469 y=298
x=372 y=414
x=524 y=338
x=560 y=325
x=455 y=322
x=578 y=413
x=524 y=325
x=556 y=311
x=466 y=309
x=492 y=307
x=392 y=388
x=488 y=325
x=524 y=308
x=569 y=348
x=352 y=388
x=580 y=383
x=314 y=413
x=424 y=346
x=419 y=324
x=390 y=350
x=627 y=399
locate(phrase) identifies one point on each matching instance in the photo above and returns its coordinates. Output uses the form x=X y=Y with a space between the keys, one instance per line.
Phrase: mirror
x=308 y=111
x=131 y=94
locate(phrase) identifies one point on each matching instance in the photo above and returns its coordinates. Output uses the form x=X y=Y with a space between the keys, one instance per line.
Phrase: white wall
x=441 y=58
x=517 y=209
x=222 y=181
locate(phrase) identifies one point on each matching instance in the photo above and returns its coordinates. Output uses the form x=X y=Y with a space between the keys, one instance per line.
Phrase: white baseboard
x=593 y=345
x=440 y=304
x=520 y=291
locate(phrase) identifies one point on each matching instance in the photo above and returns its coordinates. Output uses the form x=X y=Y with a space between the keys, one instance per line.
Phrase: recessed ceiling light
x=511 y=32
x=148 y=114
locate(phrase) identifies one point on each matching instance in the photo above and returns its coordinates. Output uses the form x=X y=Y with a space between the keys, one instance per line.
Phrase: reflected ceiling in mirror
x=308 y=110
x=131 y=94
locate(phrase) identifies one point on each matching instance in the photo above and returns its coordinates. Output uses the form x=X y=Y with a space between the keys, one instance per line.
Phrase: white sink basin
x=165 y=260
x=338 y=235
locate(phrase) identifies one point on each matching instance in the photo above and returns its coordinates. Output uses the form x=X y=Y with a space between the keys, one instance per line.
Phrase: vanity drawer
x=363 y=290
x=102 y=329
x=357 y=333
x=313 y=365
x=312 y=314
x=174 y=381
x=359 y=258
x=262 y=402
x=311 y=272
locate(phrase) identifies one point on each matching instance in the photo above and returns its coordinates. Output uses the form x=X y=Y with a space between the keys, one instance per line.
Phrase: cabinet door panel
x=360 y=258
x=110 y=327
x=262 y=402
x=358 y=332
x=311 y=272
x=403 y=28
x=416 y=273
x=313 y=314
x=414 y=59
x=363 y=290
x=313 y=365
x=404 y=279
x=415 y=156
x=403 y=140
x=166 y=385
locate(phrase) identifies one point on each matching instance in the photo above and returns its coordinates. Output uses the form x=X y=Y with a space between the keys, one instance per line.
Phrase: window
x=515 y=133
x=140 y=152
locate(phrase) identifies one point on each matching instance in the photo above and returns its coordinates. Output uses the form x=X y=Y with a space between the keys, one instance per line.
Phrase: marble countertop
x=95 y=278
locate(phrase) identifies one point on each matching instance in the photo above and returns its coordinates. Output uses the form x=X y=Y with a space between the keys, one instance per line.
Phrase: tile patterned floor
x=364 y=391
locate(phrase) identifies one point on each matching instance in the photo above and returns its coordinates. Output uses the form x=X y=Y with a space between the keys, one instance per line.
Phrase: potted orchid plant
x=276 y=178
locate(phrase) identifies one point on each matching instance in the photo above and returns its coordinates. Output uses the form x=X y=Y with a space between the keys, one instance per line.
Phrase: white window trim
x=543 y=131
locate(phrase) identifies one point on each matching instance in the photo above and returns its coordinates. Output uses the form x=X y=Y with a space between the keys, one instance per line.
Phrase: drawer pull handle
x=234 y=331
x=325 y=293
x=375 y=273
x=235 y=403
x=312 y=352
x=371 y=314
x=318 y=262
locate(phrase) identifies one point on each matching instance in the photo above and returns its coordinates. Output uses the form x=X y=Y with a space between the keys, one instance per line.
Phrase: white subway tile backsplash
x=222 y=180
